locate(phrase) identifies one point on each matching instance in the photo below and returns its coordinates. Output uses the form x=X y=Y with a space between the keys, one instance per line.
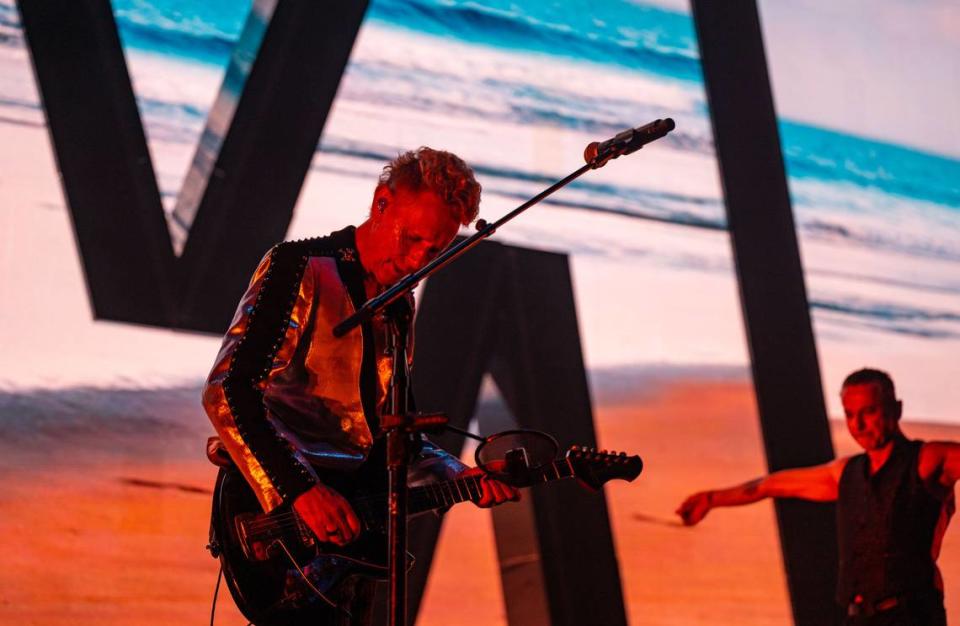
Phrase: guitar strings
x=420 y=494
x=366 y=512
x=425 y=494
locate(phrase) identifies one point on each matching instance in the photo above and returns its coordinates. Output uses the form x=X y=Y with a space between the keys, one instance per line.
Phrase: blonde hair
x=441 y=172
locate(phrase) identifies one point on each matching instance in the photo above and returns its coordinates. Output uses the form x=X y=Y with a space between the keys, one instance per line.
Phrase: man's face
x=412 y=229
x=871 y=417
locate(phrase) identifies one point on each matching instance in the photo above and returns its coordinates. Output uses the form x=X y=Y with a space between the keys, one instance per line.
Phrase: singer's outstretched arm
x=817 y=483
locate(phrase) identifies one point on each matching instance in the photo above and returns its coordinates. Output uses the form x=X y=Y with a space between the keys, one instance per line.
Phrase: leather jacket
x=284 y=395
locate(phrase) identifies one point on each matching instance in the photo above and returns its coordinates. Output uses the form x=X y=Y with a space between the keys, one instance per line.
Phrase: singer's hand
x=494 y=491
x=695 y=508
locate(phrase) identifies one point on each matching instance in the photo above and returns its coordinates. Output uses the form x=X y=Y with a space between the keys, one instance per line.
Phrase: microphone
x=627 y=142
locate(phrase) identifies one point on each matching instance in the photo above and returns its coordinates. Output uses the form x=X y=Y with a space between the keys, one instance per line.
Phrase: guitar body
x=266 y=557
x=278 y=572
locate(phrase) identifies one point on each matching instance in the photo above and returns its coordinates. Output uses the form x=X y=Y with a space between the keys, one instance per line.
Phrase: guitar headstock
x=595 y=467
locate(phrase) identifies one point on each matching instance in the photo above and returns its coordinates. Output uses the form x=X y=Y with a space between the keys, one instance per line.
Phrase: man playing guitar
x=290 y=402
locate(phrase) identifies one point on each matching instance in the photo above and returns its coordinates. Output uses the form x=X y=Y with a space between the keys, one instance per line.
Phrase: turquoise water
x=846 y=190
x=851 y=192
x=830 y=156
x=617 y=33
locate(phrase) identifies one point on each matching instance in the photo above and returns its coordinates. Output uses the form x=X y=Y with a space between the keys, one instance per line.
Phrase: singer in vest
x=287 y=398
x=894 y=502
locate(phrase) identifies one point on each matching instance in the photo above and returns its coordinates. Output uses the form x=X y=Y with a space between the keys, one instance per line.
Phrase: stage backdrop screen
x=105 y=509
x=869 y=112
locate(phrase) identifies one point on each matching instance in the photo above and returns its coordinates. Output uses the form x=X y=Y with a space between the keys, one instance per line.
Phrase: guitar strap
x=351 y=271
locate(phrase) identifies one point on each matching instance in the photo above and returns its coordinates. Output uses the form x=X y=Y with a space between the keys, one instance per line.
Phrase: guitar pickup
x=255 y=545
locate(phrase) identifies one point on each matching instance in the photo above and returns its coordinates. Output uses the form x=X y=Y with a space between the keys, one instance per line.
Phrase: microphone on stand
x=597 y=153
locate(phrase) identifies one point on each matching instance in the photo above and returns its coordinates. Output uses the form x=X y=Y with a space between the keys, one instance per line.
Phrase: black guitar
x=273 y=564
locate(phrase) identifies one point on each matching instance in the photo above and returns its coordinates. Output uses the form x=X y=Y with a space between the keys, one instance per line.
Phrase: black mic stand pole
x=400 y=426
x=397 y=422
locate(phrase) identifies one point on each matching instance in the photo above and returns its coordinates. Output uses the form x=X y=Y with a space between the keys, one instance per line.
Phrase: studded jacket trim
x=234 y=394
x=284 y=395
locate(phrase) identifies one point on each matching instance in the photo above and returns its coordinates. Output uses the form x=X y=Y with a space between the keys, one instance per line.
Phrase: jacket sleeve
x=270 y=319
x=436 y=462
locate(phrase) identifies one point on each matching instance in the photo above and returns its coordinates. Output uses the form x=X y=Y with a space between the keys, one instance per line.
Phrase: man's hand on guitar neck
x=328 y=514
x=494 y=491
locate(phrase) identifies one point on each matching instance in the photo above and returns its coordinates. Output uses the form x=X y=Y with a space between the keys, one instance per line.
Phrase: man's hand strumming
x=328 y=514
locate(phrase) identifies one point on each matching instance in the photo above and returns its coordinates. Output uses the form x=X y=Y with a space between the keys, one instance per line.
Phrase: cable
x=216 y=592
x=313 y=588
x=465 y=433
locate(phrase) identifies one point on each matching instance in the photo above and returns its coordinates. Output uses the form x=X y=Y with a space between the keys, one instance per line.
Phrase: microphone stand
x=397 y=422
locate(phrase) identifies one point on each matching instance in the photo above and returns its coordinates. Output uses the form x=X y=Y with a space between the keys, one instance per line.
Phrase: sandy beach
x=108 y=526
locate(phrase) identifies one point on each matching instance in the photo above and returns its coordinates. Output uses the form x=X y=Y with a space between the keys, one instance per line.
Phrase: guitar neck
x=447 y=493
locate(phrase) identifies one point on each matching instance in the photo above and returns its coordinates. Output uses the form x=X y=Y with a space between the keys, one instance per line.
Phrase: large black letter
x=511 y=312
x=786 y=373
x=240 y=193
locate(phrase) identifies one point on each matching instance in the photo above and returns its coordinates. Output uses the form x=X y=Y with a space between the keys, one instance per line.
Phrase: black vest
x=886 y=525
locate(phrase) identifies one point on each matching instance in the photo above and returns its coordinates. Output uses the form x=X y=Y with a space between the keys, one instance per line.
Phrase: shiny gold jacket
x=284 y=395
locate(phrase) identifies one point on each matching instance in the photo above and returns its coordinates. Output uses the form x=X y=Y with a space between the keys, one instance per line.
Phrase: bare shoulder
x=937 y=451
x=836 y=467
x=820 y=482
x=940 y=460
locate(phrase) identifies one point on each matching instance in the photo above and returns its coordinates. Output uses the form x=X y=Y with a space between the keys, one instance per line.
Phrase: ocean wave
x=632 y=202
x=210 y=48
x=679 y=218
x=397 y=69
x=894 y=328
x=21 y=104
x=884 y=311
x=11 y=31
x=908 y=198
x=15 y=121
x=450 y=88
x=657 y=41
x=169 y=26
x=486 y=97
x=882 y=236
x=817 y=153
x=887 y=281
x=890 y=317
x=205 y=31
x=166 y=27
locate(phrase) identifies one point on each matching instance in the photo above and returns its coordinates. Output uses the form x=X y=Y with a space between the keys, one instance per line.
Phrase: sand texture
x=107 y=525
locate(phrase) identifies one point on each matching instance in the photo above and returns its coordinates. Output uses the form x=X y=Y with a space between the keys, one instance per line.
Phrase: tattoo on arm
x=752 y=488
